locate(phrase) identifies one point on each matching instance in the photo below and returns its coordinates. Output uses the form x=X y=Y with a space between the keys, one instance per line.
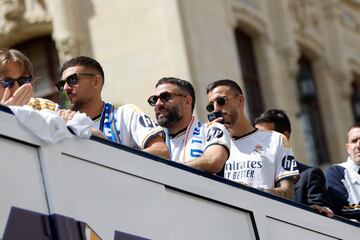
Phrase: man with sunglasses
x=16 y=73
x=310 y=187
x=259 y=159
x=202 y=146
x=82 y=80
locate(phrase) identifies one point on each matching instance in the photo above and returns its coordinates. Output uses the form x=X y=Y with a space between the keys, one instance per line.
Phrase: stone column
x=282 y=56
x=64 y=35
x=338 y=78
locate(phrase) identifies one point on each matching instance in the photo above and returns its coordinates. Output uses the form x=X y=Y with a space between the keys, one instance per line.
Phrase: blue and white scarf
x=108 y=123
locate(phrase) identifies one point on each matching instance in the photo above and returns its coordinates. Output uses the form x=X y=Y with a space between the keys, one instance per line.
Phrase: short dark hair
x=183 y=84
x=278 y=117
x=85 y=62
x=224 y=82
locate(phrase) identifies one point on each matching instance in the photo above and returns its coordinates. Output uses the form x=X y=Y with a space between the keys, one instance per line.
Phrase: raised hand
x=20 y=97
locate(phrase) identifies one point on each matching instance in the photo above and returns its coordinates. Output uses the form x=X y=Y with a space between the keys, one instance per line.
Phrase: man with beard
x=260 y=159
x=82 y=81
x=202 y=146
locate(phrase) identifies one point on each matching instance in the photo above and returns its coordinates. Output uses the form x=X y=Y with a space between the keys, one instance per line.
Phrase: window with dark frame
x=249 y=73
x=310 y=116
x=355 y=98
x=44 y=58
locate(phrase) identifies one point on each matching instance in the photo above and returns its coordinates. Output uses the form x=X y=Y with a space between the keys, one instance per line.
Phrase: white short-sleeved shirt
x=192 y=143
x=133 y=127
x=260 y=159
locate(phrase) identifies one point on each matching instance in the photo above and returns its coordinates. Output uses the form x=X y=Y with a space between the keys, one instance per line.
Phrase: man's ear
x=98 y=81
x=241 y=99
x=188 y=100
x=287 y=134
x=347 y=148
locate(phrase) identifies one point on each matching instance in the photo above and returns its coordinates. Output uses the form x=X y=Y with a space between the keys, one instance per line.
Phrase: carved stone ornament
x=36 y=11
x=350 y=20
x=290 y=57
x=11 y=14
x=305 y=14
x=66 y=48
x=307 y=24
x=18 y=13
x=249 y=14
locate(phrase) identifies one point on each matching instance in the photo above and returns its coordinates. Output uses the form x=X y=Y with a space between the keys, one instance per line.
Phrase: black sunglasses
x=164 y=97
x=219 y=101
x=9 y=82
x=72 y=79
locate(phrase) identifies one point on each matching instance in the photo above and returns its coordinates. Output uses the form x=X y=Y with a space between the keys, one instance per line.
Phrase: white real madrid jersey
x=192 y=143
x=260 y=159
x=133 y=127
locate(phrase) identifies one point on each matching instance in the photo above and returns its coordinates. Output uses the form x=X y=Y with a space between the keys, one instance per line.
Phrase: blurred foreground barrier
x=115 y=188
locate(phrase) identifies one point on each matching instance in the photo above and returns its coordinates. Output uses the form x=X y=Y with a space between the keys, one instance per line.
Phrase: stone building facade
x=302 y=56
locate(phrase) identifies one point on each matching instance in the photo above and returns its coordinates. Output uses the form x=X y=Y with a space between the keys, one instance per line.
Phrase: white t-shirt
x=260 y=159
x=192 y=143
x=132 y=127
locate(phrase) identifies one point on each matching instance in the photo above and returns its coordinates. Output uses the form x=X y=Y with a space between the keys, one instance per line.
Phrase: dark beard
x=233 y=116
x=77 y=106
x=173 y=116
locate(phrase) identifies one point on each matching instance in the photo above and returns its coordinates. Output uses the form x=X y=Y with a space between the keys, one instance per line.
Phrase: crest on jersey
x=258 y=149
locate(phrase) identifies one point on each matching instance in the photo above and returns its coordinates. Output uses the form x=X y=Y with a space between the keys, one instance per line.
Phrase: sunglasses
x=164 y=97
x=219 y=101
x=9 y=82
x=72 y=79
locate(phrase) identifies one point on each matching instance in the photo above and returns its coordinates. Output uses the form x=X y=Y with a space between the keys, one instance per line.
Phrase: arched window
x=43 y=55
x=355 y=98
x=310 y=114
x=249 y=73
